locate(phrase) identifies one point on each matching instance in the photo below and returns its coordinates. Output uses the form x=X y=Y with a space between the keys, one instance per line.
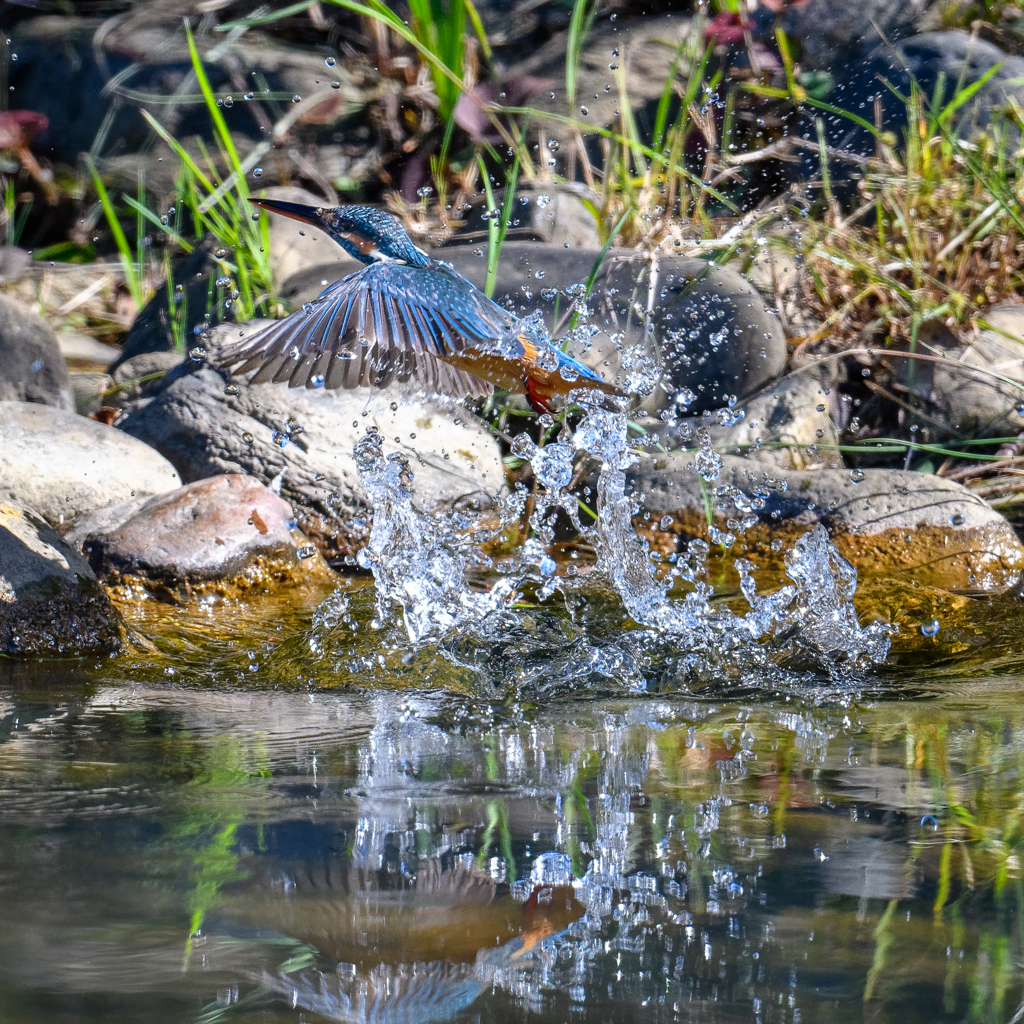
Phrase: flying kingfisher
x=404 y=316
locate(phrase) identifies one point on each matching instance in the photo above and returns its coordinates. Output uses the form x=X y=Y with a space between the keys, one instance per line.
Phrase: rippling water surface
x=270 y=817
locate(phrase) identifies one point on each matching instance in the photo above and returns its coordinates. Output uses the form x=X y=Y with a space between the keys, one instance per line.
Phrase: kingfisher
x=403 y=317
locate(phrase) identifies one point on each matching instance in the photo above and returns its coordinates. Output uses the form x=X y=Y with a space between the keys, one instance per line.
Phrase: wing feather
x=385 y=322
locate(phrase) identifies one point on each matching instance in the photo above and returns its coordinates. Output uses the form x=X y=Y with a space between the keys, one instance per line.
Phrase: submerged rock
x=60 y=465
x=32 y=368
x=921 y=528
x=214 y=530
x=50 y=600
x=304 y=438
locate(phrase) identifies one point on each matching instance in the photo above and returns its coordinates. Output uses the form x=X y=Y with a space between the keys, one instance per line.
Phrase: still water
x=277 y=814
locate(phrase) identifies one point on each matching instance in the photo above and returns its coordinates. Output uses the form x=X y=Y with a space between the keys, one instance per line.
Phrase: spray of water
x=422 y=564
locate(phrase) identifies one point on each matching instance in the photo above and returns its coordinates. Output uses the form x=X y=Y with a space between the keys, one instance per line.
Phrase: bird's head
x=368 y=234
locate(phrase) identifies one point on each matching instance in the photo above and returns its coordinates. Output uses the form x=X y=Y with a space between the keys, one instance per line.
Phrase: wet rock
x=59 y=464
x=305 y=438
x=828 y=31
x=707 y=326
x=32 y=368
x=13 y=263
x=50 y=600
x=920 y=528
x=550 y=213
x=956 y=57
x=215 y=529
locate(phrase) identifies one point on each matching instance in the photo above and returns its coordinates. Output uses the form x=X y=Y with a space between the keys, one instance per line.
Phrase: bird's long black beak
x=296 y=211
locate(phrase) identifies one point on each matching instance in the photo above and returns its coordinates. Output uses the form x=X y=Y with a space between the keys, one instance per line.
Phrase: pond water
x=278 y=812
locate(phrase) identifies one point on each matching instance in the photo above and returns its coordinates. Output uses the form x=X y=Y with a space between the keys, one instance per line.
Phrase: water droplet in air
x=296 y=98
x=231 y=390
x=423 y=191
x=279 y=438
x=930 y=628
x=229 y=101
x=306 y=551
x=584 y=111
x=257 y=172
x=197 y=354
x=330 y=62
x=222 y=282
x=547 y=566
x=248 y=438
x=335 y=84
x=958 y=519
x=856 y=475
x=543 y=201
x=554 y=145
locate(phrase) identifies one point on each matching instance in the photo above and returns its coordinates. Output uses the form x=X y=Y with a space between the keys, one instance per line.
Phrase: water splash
x=423 y=564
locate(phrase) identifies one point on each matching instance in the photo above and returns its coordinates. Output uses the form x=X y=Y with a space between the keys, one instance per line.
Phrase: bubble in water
x=930 y=628
x=248 y=438
x=229 y=101
x=222 y=282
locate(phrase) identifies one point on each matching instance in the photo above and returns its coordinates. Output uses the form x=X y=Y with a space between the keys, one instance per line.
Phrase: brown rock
x=215 y=529
x=50 y=600
x=922 y=529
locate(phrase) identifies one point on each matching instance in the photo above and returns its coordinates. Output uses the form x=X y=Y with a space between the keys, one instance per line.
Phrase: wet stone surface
x=923 y=528
x=50 y=601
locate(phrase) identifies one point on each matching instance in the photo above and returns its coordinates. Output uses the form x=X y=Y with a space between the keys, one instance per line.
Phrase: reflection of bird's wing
x=403 y=994
x=388 y=322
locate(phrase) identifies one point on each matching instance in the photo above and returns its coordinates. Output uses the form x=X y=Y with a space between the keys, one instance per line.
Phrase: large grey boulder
x=50 y=600
x=303 y=439
x=60 y=465
x=32 y=368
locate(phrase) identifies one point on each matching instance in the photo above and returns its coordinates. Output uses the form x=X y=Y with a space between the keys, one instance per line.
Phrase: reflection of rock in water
x=871 y=868
x=414 y=950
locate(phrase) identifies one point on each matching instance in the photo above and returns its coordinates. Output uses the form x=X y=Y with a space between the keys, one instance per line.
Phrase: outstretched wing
x=388 y=322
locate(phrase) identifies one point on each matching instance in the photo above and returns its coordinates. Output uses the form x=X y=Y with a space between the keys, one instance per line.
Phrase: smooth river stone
x=920 y=528
x=32 y=367
x=214 y=529
x=50 y=599
x=60 y=464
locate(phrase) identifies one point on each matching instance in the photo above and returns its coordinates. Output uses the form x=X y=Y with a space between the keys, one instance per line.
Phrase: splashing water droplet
x=930 y=628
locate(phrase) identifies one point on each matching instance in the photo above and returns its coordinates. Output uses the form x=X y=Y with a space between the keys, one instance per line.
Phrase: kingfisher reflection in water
x=413 y=954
